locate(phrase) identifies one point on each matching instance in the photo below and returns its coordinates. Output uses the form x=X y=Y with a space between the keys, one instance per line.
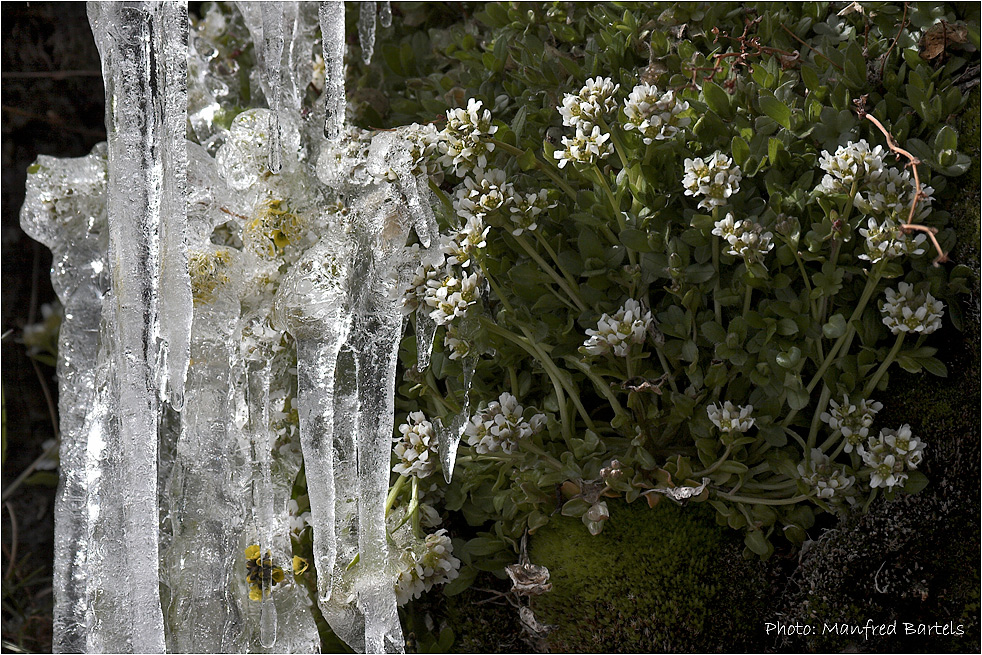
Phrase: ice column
x=332 y=31
x=366 y=30
x=143 y=48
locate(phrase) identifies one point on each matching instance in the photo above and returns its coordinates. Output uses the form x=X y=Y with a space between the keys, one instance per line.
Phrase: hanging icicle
x=332 y=38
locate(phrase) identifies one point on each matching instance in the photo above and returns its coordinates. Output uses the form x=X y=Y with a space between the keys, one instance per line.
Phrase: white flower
x=629 y=325
x=908 y=311
x=454 y=344
x=852 y=421
x=889 y=192
x=483 y=193
x=430 y=268
x=526 y=209
x=890 y=454
x=501 y=425
x=887 y=240
x=654 y=114
x=416 y=448
x=584 y=148
x=298 y=521
x=594 y=101
x=746 y=238
x=820 y=475
x=730 y=417
x=850 y=162
x=466 y=141
x=427 y=564
x=451 y=297
x=715 y=180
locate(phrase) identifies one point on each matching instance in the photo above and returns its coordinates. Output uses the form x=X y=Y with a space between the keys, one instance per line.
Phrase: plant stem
x=761 y=501
x=542 y=166
x=573 y=295
x=892 y=355
x=598 y=382
x=823 y=401
x=393 y=493
x=715 y=465
x=717 y=308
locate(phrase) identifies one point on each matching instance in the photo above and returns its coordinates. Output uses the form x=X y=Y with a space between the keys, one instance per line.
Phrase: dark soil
x=53 y=104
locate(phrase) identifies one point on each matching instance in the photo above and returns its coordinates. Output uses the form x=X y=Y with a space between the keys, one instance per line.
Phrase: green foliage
x=657 y=580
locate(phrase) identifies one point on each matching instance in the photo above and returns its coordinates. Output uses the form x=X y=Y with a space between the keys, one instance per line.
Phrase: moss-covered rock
x=655 y=580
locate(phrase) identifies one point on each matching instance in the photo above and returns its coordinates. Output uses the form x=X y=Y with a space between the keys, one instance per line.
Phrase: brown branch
x=918 y=195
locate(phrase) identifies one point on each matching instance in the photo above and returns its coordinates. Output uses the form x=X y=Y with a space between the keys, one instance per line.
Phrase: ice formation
x=232 y=315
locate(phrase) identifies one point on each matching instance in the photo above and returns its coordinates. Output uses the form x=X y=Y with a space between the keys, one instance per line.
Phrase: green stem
x=717 y=308
x=762 y=501
x=542 y=166
x=393 y=493
x=555 y=258
x=573 y=295
x=747 y=294
x=823 y=401
x=892 y=355
x=618 y=143
x=447 y=204
x=715 y=465
x=667 y=369
x=546 y=457
x=598 y=382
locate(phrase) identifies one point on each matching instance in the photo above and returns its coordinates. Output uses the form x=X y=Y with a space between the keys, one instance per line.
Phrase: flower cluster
x=731 y=418
x=261 y=575
x=890 y=455
x=501 y=425
x=851 y=162
x=416 y=449
x=889 y=192
x=818 y=473
x=629 y=325
x=451 y=296
x=428 y=565
x=886 y=240
x=852 y=421
x=716 y=180
x=526 y=210
x=907 y=310
x=466 y=140
x=298 y=521
x=594 y=101
x=483 y=193
x=455 y=344
x=746 y=238
x=584 y=148
x=656 y=115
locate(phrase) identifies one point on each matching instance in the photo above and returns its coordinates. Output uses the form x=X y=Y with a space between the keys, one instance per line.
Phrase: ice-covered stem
x=143 y=49
x=332 y=37
x=918 y=192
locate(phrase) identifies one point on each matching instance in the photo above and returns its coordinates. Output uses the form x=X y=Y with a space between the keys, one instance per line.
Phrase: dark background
x=53 y=104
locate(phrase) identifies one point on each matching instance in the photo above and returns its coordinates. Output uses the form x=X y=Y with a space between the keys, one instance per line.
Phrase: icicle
x=425 y=332
x=267 y=622
x=145 y=83
x=332 y=37
x=272 y=57
x=366 y=30
x=385 y=13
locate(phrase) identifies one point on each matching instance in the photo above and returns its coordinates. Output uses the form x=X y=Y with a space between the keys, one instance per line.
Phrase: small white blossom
x=526 y=210
x=629 y=325
x=889 y=455
x=460 y=248
x=731 y=418
x=746 y=238
x=429 y=270
x=819 y=474
x=906 y=310
x=428 y=564
x=455 y=344
x=890 y=192
x=483 y=193
x=594 y=101
x=654 y=114
x=298 y=521
x=716 y=180
x=887 y=240
x=851 y=162
x=451 y=297
x=584 y=148
x=466 y=141
x=852 y=421
x=416 y=449
x=501 y=425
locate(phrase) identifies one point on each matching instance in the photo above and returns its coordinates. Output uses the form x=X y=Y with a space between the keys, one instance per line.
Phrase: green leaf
x=835 y=328
x=916 y=481
x=777 y=110
x=758 y=543
x=740 y=150
x=465 y=577
x=717 y=99
x=636 y=240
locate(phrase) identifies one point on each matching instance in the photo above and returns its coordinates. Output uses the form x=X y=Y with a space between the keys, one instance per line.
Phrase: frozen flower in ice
x=501 y=425
x=851 y=162
x=886 y=240
x=716 y=180
x=584 y=148
x=526 y=210
x=818 y=473
x=654 y=114
x=890 y=454
x=298 y=521
x=907 y=310
x=466 y=140
x=261 y=575
x=746 y=238
x=273 y=229
x=852 y=421
x=416 y=448
x=209 y=271
x=427 y=564
x=731 y=418
x=629 y=325
x=451 y=297
x=594 y=101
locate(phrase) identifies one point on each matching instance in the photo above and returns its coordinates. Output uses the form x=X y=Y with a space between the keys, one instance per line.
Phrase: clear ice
x=232 y=316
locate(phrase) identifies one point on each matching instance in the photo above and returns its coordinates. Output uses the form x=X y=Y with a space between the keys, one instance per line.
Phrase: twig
x=918 y=195
x=13 y=542
x=903 y=23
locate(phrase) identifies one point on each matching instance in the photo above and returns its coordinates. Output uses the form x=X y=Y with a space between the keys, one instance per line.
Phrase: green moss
x=655 y=580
